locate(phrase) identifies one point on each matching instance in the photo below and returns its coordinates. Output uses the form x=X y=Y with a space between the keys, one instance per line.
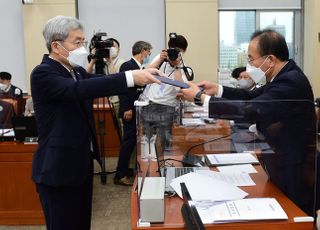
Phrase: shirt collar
x=139 y=64
x=60 y=63
x=279 y=71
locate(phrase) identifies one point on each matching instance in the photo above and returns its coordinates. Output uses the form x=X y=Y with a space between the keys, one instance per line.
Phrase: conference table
x=186 y=137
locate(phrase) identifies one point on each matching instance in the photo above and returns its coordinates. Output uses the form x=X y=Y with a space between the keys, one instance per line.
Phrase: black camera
x=102 y=46
x=173 y=52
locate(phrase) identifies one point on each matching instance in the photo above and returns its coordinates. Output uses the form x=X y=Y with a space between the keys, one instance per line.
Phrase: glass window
x=281 y=22
x=235 y=30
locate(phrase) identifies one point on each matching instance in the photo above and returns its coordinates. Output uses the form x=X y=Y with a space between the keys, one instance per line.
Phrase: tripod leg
x=103 y=173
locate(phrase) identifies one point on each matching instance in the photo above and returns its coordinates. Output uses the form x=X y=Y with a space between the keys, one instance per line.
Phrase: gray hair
x=58 y=28
x=139 y=46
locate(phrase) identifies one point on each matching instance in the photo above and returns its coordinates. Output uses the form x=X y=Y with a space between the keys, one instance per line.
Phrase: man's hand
x=146 y=76
x=209 y=88
x=127 y=115
x=190 y=93
x=163 y=55
x=158 y=62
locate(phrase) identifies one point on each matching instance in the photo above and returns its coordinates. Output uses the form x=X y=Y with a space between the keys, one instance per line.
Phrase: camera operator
x=163 y=98
x=111 y=60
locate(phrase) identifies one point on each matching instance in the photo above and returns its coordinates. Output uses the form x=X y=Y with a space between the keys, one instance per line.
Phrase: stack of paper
x=202 y=187
x=192 y=121
x=242 y=168
x=242 y=210
x=231 y=158
x=234 y=178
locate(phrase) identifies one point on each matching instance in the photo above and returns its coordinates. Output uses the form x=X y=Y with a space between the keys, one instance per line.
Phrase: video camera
x=102 y=46
x=173 y=52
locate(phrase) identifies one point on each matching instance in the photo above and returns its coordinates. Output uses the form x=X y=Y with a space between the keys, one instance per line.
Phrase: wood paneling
x=19 y=202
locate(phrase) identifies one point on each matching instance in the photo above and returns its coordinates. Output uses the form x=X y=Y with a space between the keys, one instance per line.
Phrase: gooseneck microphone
x=191 y=160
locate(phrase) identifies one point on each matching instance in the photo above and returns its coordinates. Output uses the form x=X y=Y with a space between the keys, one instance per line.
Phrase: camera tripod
x=102 y=105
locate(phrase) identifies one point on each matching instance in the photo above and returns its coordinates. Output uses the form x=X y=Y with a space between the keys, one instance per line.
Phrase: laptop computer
x=25 y=129
x=170 y=172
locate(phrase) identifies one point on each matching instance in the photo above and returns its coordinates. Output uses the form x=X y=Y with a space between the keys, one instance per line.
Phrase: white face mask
x=78 y=57
x=245 y=83
x=113 y=52
x=256 y=73
x=146 y=60
x=4 y=87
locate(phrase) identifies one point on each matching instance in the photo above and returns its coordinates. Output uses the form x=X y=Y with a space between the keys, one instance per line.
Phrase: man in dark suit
x=141 y=52
x=6 y=88
x=62 y=93
x=283 y=109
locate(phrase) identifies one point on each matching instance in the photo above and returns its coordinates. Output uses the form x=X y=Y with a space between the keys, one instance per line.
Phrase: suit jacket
x=127 y=100
x=285 y=115
x=63 y=111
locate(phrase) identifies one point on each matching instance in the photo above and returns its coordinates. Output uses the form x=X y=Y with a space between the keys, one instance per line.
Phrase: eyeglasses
x=78 y=44
x=250 y=60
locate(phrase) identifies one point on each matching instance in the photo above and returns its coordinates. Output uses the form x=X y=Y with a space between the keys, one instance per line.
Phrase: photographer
x=163 y=98
x=109 y=52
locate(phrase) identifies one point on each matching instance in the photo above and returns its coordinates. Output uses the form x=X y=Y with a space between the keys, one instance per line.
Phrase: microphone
x=191 y=160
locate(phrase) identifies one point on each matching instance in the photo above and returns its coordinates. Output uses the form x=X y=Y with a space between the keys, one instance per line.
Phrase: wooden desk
x=19 y=201
x=263 y=188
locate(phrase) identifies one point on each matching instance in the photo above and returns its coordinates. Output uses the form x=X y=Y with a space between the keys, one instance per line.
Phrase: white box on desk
x=152 y=200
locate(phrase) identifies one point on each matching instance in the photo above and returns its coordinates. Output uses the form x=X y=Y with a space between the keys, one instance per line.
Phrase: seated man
x=284 y=112
x=6 y=88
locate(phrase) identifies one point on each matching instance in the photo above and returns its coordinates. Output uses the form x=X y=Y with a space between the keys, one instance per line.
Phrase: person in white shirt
x=159 y=115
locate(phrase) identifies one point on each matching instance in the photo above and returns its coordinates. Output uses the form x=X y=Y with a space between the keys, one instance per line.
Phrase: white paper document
x=236 y=179
x=231 y=159
x=242 y=210
x=205 y=188
x=6 y=132
x=243 y=168
x=200 y=115
x=192 y=121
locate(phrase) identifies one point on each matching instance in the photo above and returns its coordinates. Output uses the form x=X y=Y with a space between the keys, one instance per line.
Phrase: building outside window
x=236 y=25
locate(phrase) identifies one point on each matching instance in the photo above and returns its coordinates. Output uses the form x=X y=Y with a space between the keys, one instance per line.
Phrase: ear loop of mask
x=64 y=49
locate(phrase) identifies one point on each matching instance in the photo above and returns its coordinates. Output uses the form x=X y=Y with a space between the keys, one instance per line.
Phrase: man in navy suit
x=62 y=93
x=283 y=109
x=141 y=51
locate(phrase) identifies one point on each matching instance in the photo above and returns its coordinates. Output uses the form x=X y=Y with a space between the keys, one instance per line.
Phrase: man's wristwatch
x=197 y=98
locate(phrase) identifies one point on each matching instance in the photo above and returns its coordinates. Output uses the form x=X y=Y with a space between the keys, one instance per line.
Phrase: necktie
x=74 y=76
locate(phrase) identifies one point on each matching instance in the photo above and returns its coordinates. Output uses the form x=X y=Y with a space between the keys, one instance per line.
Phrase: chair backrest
x=17 y=103
x=6 y=114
